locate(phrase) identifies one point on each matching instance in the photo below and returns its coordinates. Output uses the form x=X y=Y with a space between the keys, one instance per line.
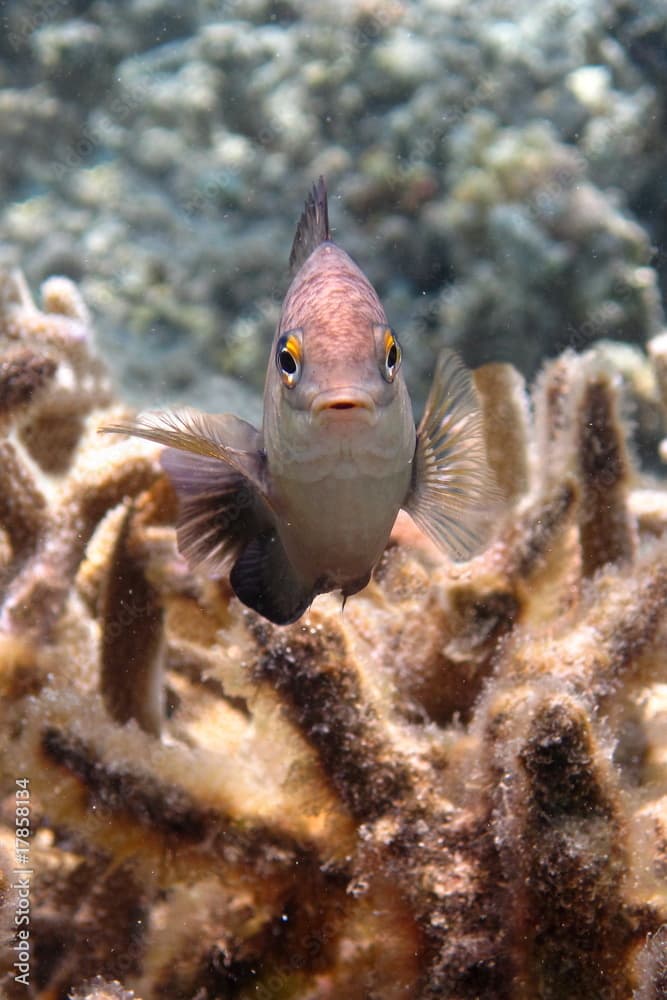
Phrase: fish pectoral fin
x=220 y=510
x=263 y=578
x=222 y=437
x=453 y=497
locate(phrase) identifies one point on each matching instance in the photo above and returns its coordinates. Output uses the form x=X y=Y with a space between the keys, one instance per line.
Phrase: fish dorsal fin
x=453 y=497
x=313 y=227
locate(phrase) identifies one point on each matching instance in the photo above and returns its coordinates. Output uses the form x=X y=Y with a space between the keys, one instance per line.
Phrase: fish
x=306 y=505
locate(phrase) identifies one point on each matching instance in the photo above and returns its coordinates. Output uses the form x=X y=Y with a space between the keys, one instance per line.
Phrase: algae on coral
x=456 y=788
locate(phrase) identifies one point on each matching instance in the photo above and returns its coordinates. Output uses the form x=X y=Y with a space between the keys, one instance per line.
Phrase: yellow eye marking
x=392 y=355
x=288 y=359
x=294 y=347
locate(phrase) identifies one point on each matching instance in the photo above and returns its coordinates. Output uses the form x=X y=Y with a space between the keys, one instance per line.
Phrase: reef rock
x=456 y=788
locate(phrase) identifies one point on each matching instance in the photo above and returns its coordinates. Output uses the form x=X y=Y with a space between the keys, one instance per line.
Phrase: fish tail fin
x=263 y=578
x=313 y=227
x=453 y=497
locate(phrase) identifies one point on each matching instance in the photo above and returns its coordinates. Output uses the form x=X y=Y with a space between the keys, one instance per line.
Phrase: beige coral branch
x=454 y=788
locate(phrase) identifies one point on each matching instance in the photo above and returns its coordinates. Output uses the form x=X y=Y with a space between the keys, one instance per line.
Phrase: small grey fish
x=307 y=504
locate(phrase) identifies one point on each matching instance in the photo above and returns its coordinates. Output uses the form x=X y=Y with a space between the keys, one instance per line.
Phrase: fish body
x=340 y=444
x=307 y=504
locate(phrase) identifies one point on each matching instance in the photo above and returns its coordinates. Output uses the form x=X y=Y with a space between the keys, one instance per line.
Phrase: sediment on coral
x=657 y=349
x=456 y=788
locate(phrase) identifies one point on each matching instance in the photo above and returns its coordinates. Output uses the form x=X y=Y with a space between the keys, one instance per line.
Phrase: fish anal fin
x=453 y=497
x=313 y=226
x=264 y=580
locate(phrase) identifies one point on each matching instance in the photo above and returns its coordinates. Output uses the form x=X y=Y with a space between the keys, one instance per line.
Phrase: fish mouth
x=352 y=401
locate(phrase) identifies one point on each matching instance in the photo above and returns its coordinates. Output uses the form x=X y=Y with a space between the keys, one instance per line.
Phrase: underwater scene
x=333 y=500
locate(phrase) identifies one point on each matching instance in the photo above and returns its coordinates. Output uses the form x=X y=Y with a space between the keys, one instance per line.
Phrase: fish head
x=334 y=385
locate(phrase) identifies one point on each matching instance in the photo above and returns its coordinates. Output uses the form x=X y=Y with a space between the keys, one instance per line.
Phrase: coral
x=455 y=788
x=54 y=381
x=658 y=351
x=541 y=251
x=98 y=989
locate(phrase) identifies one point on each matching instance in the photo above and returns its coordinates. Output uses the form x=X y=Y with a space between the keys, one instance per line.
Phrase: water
x=497 y=171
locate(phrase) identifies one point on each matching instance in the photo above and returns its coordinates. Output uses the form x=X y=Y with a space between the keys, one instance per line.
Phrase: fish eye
x=288 y=359
x=392 y=356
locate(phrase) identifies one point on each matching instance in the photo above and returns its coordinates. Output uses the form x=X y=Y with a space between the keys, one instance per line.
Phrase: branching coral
x=549 y=259
x=658 y=351
x=456 y=788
